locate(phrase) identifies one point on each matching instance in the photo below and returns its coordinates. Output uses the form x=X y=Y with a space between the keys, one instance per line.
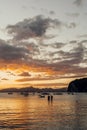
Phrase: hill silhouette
x=32 y=89
x=78 y=85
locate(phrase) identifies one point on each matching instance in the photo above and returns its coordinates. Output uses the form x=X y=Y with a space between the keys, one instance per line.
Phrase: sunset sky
x=43 y=43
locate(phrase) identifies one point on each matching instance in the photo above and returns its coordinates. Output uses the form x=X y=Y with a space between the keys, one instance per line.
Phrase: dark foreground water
x=66 y=112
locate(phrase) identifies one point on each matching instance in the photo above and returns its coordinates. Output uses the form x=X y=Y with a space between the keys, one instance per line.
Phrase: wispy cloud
x=78 y=2
x=73 y=14
x=24 y=74
x=33 y=27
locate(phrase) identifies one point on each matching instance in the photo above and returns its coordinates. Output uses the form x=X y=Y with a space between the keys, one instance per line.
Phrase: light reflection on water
x=66 y=112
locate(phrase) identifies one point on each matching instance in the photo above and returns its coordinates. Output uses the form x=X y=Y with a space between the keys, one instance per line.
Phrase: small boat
x=42 y=96
x=10 y=92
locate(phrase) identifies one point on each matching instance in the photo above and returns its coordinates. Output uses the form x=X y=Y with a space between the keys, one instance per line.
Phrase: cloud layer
x=53 y=60
x=9 y=53
x=32 y=27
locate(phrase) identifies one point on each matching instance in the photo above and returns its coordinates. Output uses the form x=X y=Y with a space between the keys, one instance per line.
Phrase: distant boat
x=10 y=92
x=58 y=93
x=42 y=96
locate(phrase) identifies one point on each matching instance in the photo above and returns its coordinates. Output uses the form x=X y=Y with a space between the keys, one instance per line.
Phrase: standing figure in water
x=50 y=98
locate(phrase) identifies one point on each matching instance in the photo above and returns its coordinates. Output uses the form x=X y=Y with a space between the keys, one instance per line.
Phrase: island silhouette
x=78 y=85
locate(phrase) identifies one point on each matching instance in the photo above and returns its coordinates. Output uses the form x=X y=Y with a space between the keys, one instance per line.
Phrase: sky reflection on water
x=66 y=112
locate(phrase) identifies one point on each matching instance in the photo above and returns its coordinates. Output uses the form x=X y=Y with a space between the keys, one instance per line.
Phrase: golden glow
x=12 y=79
x=10 y=76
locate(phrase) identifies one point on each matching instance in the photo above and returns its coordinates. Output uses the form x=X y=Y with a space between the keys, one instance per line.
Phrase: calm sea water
x=66 y=112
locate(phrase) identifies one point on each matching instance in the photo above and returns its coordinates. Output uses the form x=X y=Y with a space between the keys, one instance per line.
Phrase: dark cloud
x=78 y=2
x=24 y=74
x=33 y=27
x=12 y=53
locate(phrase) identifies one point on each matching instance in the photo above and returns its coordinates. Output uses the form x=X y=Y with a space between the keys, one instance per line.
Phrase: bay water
x=65 y=112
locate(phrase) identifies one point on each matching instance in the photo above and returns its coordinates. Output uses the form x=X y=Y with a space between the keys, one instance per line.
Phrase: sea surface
x=65 y=112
